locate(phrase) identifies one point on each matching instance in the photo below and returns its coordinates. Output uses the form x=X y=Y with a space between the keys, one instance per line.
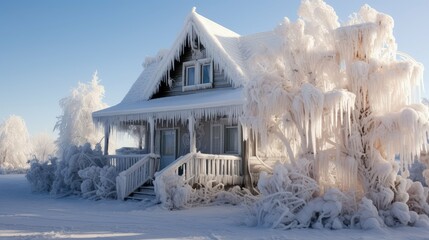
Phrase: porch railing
x=123 y=162
x=225 y=169
x=201 y=168
x=139 y=173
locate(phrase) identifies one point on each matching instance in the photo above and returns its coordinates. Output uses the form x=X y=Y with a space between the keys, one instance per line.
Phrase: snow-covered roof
x=230 y=51
x=220 y=43
x=200 y=105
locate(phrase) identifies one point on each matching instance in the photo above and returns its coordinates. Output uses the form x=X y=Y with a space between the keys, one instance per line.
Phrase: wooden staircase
x=139 y=174
x=145 y=192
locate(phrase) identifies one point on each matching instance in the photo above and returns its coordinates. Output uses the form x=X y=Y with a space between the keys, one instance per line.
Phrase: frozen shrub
x=288 y=201
x=366 y=216
x=98 y=182
x=418 y=196
x=172 y=191
x=67 y=180
x=41 y=174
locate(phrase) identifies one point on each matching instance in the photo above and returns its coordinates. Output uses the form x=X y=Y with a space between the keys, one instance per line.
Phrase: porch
x=134 y=171
x=196 y=136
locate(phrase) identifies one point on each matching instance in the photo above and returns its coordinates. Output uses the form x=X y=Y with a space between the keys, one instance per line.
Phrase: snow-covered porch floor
x=27 y=215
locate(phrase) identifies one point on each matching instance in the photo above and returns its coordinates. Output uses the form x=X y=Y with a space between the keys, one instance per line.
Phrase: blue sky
x=47 y=46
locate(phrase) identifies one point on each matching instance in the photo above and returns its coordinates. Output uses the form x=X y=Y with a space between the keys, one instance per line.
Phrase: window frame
x=198 y=74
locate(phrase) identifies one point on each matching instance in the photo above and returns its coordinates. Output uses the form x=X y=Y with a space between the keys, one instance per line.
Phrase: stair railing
x=132 y=178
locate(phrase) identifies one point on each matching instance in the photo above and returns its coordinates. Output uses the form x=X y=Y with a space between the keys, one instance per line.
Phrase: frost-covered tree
x=341 y=101
x=43 y=146
x=14 y=144
x=75 y=125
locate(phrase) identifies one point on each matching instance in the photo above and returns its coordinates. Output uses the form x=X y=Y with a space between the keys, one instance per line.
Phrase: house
x=186 y=106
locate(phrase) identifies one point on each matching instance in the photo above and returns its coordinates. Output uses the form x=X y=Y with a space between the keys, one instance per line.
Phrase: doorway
x=168 y=146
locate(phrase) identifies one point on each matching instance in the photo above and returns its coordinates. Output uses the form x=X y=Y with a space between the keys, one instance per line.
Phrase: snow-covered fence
x=136 y=175
x=123 y=162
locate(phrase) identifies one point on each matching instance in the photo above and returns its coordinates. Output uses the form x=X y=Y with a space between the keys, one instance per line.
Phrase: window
x=231 y=139
x=197 y=74
x=216 y=140
x=205 y=73
x=190 y=76
x=224 y=139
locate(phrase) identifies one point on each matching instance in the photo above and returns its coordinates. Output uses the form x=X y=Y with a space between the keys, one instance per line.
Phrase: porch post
x=142 y=134
x=106 y=138
x=152 y=134
x=192 y=142
x=245 y=155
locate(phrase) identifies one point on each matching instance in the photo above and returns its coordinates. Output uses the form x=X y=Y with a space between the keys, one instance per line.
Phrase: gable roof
x=232 y=53
x=222 y=44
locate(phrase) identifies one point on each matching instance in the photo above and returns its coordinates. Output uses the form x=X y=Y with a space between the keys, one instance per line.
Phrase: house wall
x=219 y=79
x=202 y=130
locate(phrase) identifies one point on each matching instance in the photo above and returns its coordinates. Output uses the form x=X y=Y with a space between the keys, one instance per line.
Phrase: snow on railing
x=123 y=162
x=133 y=177
x=200 y=168
x=225 y=169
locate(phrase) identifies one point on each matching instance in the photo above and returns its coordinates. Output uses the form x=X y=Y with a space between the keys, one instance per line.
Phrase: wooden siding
x=219 y=79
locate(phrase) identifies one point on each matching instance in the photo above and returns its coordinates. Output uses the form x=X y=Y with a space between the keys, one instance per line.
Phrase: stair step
x=140 y=198
x=143 y=193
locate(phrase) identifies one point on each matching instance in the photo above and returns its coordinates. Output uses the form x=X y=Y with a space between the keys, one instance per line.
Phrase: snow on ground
x=27 y=215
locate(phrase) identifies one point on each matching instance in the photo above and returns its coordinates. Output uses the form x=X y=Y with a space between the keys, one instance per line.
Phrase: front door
x=168 y=147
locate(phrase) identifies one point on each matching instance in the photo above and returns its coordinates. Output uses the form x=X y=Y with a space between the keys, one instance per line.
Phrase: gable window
x=190 y=76
x=205 y=73
x=197 y=74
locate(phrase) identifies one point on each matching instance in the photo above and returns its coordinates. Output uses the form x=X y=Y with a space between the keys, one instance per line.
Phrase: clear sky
x=47 y=46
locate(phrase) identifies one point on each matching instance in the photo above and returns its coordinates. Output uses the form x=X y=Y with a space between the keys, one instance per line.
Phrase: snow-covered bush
x=41 y=174
x=174 y=193
x=75 y=158
x=75 y=125
x=98 y=182
x=342 y=99
x=15 y=146
x=366 y=216
x=81 y=171
x=288 y=200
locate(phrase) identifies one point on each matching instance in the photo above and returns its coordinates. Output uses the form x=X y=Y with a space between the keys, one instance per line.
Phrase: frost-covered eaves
x=221 y=44
x=207 y=105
